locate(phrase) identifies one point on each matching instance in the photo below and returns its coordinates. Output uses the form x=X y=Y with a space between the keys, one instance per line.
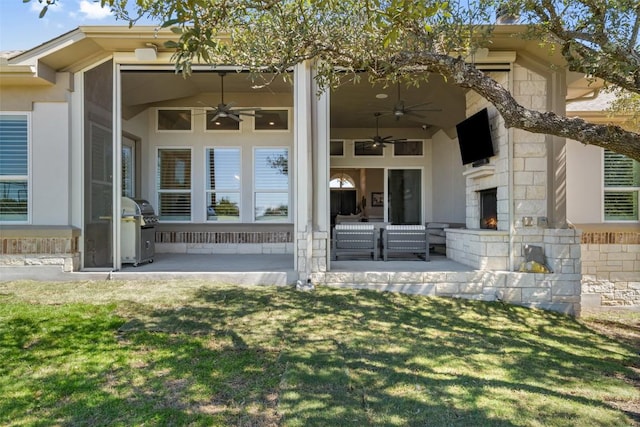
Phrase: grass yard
x=199 y=353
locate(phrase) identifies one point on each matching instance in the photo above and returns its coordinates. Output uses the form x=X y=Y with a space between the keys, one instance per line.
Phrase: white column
x=302 y=169
x=321 y=164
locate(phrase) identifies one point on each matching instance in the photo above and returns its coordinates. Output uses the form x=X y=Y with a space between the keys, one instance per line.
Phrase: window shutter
x=174 y=184
x=621 y=181
x=620 y=170
x=14 y=153
x=224 y=169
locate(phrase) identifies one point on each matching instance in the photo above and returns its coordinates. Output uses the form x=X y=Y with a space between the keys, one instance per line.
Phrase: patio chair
x=354 y=239
x=405 y=239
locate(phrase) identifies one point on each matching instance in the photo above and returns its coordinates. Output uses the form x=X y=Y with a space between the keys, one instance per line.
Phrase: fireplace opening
x=489 y=209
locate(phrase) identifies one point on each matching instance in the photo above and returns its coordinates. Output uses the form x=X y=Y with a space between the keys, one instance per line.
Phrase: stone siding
x=40 y=247
x=610 y=269
x=545 y=291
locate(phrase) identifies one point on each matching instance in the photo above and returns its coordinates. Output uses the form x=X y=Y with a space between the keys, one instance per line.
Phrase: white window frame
x=29 y=176
x=157 y=120
x=208 y=191
x=160 y=191
x=606 y=189
x=254 y=191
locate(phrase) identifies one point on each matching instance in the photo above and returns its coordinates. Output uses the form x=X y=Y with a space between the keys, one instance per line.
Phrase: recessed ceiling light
x=382 y=96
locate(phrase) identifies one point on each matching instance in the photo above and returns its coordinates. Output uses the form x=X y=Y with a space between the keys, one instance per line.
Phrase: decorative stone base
x=611 y=271
x=31 y=246
x=546 y=291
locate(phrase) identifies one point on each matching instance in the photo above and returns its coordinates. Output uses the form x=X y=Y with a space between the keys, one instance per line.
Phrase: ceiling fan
x=381 y=141
x=400 y=109
x=226 y=110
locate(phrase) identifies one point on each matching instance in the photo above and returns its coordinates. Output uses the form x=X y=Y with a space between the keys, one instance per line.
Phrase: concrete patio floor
x=248 y=269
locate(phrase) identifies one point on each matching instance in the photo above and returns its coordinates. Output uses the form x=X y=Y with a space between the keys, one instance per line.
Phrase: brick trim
x=39 y=245
x=227 y=237
x=610 y=238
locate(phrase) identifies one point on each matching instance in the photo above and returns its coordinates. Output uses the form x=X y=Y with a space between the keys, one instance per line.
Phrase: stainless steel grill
x=137 y=231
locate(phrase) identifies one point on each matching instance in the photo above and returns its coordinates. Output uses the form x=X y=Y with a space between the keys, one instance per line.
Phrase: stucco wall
x=50 y=164
x=584 y=183
x=448 y=204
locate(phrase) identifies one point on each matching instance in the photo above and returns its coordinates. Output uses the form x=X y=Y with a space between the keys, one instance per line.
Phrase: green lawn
x=199 y=353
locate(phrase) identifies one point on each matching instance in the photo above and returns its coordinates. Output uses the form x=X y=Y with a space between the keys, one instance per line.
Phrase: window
x=174 y=120
x=341 y=181
x=271 y=177
x=366 y=148
x=621 y=187
x=174 y=184
x=407 y=148
x=272 y=120
x=337 y=148
x=14 y=167
x=223 y=184
x=221 y=123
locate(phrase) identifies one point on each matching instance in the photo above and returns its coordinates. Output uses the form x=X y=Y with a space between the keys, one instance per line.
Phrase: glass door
x=404 y=201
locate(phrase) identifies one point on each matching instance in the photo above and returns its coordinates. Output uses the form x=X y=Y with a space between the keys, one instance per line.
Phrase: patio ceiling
x=352 y=105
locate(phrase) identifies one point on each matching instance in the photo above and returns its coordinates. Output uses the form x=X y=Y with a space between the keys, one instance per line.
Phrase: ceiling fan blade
x=421 y=104
x=248 y=109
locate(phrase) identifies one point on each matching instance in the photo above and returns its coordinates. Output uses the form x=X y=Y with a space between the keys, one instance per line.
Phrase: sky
x=21 y=29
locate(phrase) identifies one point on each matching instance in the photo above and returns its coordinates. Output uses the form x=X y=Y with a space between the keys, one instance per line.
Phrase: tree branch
x=515 y=115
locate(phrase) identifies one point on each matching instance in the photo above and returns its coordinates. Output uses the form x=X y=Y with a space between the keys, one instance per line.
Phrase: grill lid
x=145 y=207
x=138 y=208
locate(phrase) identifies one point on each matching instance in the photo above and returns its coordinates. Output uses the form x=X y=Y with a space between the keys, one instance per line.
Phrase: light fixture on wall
x=148 y=53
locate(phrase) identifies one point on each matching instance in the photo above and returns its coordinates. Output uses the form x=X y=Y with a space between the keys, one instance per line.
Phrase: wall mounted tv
x=474 y=137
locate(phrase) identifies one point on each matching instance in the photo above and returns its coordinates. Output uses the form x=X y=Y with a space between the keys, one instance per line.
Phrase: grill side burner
x=137 y=231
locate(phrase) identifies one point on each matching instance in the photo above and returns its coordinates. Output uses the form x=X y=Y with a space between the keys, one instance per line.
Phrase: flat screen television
x=474 y=137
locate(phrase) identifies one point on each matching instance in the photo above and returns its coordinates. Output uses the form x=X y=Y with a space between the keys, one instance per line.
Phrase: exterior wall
x=50 y=164
x=198 y=140
x=545 y=291
x=520 y=172
x=610 y=269
x=229 y=242
x=448 y=202
x=584 y=183
x=386 y=161
x=494 y=175
x=39 y=246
